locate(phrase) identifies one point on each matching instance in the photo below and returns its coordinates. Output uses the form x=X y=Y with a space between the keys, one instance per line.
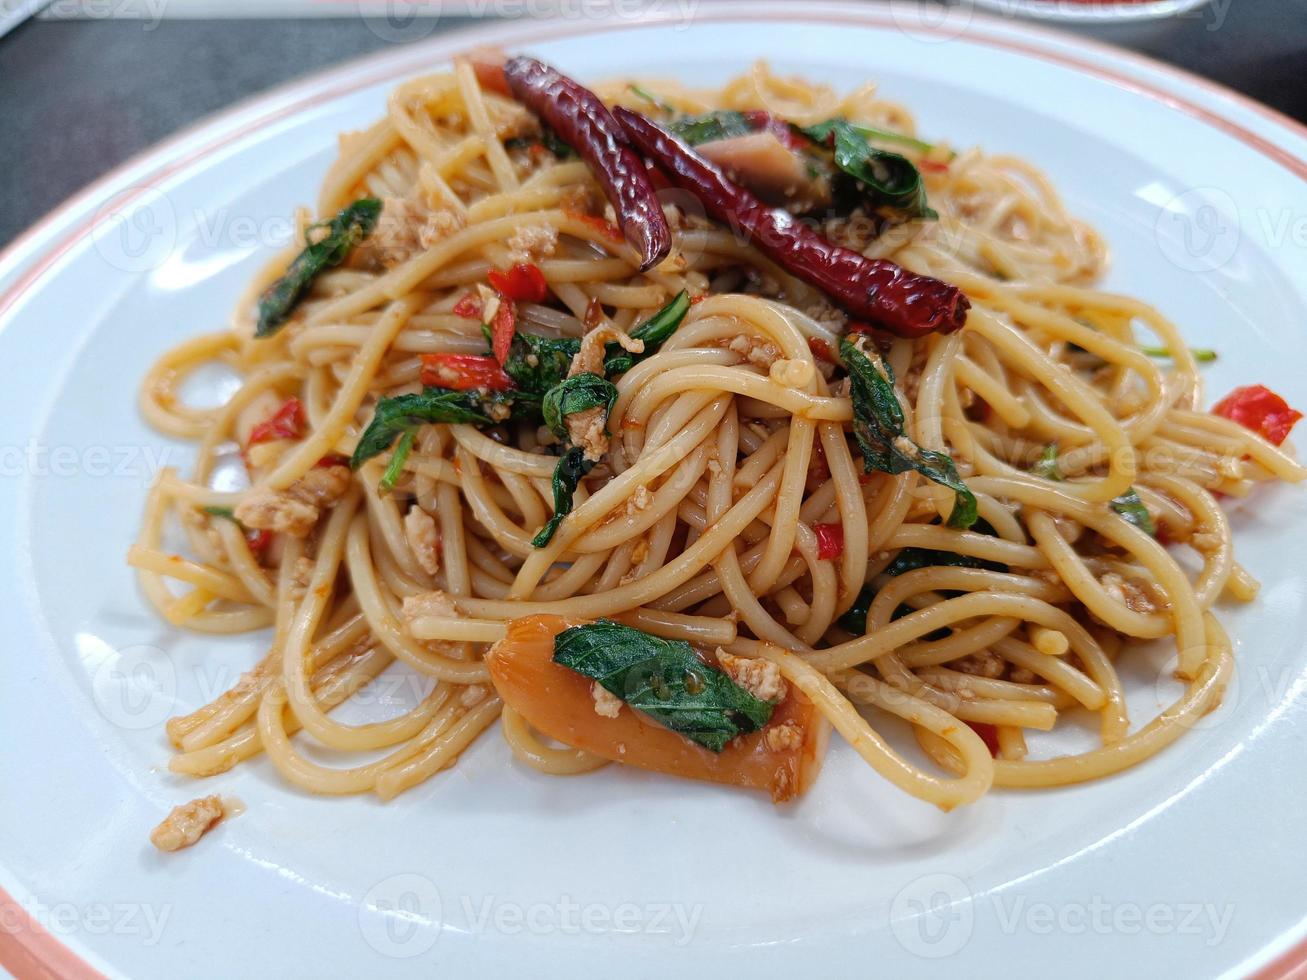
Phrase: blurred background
x=84 y=84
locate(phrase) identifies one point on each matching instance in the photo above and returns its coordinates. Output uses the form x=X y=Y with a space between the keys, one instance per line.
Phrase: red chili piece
x=988 y=734
x=830 y=540
x=464 y=372
x=899 y=301
x=522 y=282
x=1258 y=408
x=469 y=307
x=286 y=422
x=586 y=125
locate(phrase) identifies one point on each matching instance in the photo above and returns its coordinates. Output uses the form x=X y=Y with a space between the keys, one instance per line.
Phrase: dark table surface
x=79 y=96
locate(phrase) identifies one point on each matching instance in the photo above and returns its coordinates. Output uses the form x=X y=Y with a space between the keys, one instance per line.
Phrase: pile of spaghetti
x=675 y=428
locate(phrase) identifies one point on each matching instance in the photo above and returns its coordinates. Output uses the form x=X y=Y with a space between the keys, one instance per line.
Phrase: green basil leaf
x=886 y=179
x=344 y=231
x=397 y=459
x=1129 y=506
x=395 y=416
x=664 y=680
x=225 y=512
x=576 y=394
x=536 y=364
x=654 y=332
x=878 y=429
x=711 y=126
x=1046 y=465
x=571 y=467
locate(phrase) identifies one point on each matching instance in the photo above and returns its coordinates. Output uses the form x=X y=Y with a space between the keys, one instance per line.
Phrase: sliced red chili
x=988 y=734
x=286 y=422
x=821 y=350
x=464 y=372
x=830 y=540
x=778 y=127
x=523 y=282
x=1258 y=408
x=258 y=539
x=469 y=307
x=332 y=459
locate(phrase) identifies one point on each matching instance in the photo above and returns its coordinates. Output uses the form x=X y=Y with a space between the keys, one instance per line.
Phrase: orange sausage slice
x=557 y=702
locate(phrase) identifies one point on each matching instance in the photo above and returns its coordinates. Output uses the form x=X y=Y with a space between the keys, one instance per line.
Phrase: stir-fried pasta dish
x=676 y=428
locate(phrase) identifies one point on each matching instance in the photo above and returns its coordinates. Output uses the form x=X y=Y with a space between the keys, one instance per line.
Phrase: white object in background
x=1127 y=22
x=14 y=12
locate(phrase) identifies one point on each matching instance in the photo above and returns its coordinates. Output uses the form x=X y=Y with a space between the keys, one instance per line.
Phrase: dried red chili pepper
x=899 y=301
x=586 y=125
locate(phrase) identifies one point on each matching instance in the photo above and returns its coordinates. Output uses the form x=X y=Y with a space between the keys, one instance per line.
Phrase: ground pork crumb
x=1020 y=675
x=272 y=510
x=759 y=677
x=434 y=604
x=532 y=242
x=423 y=539
x=783 y=738
x=187 y=823
x=301 y=575
x=755 y=350
x=590 y=358
x=607 y=704
x=406 y=228
x=295 y=510
x=639 y=500
x=586 y=430
x=983 y=664
x=1136 y=596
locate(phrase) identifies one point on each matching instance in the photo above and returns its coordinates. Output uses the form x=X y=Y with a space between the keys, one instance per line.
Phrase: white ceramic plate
x=1192 y=862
